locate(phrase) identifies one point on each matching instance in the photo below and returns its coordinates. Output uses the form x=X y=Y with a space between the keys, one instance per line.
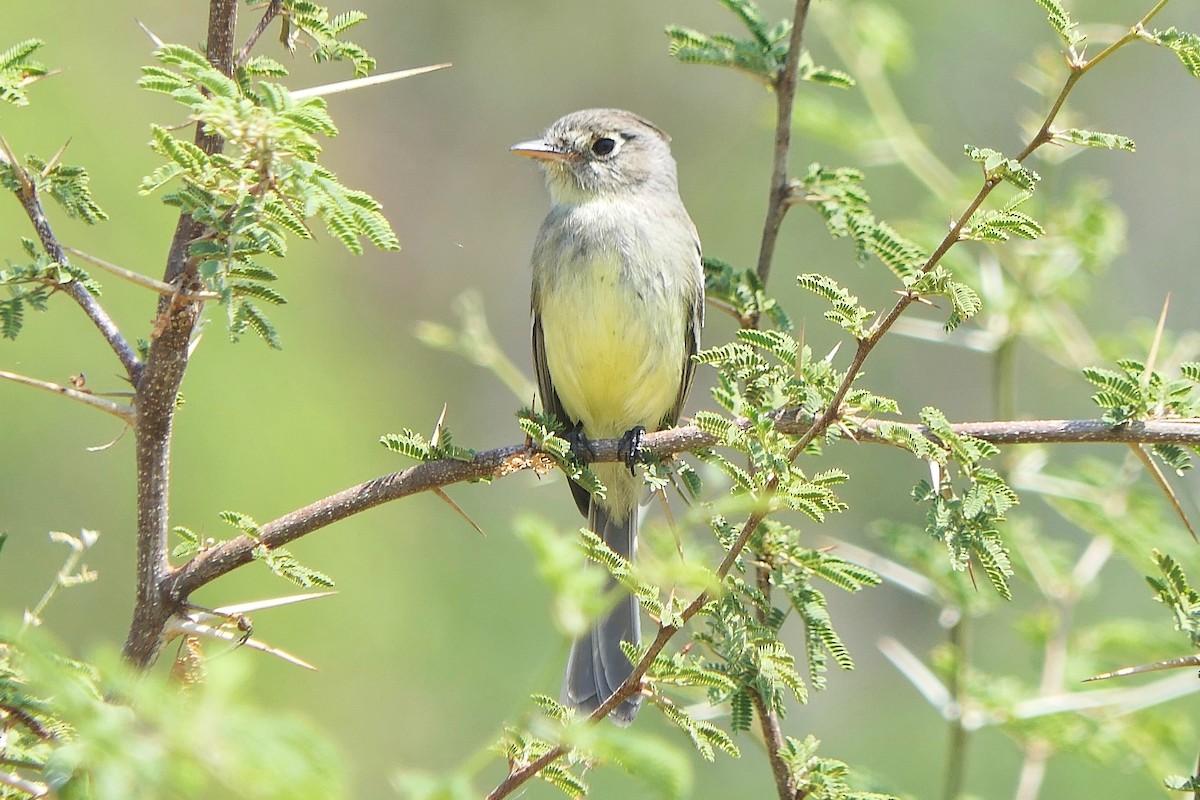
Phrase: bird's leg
x=629 y=451
x=581 y=448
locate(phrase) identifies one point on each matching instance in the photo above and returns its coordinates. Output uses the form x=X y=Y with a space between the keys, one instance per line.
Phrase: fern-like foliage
x=267 y=183
x=743 y=293
x=965 y=515
x=30 y=285
x=1109 y=141
x=821 y=777
x=313 y=20
x=1186 y=46
x=279 y=561
x=1172 y=589
x=838 y=196
x=999 y=167
x=1134 y=392
x=1060 y=20
x=18 y=70
x=415 y=446
x=761 y=56
x=68 y=185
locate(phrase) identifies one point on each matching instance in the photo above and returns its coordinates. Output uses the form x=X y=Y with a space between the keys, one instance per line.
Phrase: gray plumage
x=618 y=304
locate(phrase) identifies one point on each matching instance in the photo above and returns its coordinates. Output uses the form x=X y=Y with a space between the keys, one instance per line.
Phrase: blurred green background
x=438 y=635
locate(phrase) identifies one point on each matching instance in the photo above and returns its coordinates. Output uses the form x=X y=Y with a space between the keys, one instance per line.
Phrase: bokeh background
x=437 y=635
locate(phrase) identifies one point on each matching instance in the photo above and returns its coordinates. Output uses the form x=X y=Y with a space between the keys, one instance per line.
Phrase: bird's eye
x=604 y=145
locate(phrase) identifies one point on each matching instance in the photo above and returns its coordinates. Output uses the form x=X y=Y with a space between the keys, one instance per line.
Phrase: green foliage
x=68 y=186
x=1109 y=141
x=542 y=431
x=793 y=570
x=1133 y=392
x=964 y=302
x=278 y=560
x=846 y=312
x=966 y=518
x=105 y=731
x=742 y=292
x=284 y=564
x=1174 y=591
x=818 y=777
x=762 y=56
x=18 y=70
x=1060 y=20
x=998 y=225
x=1183 y=44
x=413 y=445
x=31 y=285
x=998 y=167
x=267 y=182
x=302 y=16
x=838 y=196
x=705 y=737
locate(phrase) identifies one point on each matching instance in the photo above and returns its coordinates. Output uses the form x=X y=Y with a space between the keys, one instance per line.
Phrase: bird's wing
x=550 y=402
x=692 y=344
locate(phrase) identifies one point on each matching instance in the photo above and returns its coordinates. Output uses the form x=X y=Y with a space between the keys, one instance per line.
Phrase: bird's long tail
x=598 y=666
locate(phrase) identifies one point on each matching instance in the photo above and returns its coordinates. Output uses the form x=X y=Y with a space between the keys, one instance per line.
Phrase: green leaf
x=1060 y=20
x=284 y=564
x=1110 y=141
x=1185 y=45
x=998 y=167
x=18 y=70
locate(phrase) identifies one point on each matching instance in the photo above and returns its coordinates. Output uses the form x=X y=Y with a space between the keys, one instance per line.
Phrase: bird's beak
x=539 y=149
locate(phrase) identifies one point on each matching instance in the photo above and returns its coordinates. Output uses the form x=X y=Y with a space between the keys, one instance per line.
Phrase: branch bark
x=32 y=203
x=785 y=95
x=158 y=389
x=212 y=564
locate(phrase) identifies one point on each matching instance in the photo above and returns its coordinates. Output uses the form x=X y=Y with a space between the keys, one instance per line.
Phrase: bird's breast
x=614 y=316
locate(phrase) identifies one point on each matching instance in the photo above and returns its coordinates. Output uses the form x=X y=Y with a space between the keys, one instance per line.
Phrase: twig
x=959 y=739
x=125 y=413
x=32 y=788
x=772 y=735
x=137 y=278
x=785 y=94
x=27 y=194
x=273 y=9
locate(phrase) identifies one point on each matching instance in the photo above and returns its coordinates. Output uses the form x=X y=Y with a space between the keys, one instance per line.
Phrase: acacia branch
x=122 y=412
x=27 y=194
x=784 y=87
x=158 y=388
x=273 y=9
x=502 y=461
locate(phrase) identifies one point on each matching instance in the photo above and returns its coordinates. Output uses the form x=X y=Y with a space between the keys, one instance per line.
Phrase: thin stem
x=273 y=9
x=785 y=95
x=32 y=788
x=27 y=194
x=959 y=737
x=772 y=733
x=122 y=412
x=136 y=278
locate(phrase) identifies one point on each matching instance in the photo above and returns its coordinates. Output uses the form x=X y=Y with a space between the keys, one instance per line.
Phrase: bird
x=617 y=304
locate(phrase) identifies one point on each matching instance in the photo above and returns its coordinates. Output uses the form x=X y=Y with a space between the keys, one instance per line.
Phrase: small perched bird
x=618 y=303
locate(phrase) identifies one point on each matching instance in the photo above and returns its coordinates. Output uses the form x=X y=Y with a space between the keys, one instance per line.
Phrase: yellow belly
x=616 y=359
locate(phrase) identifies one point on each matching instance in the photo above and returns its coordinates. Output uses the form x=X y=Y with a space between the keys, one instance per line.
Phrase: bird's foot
x=581 y=448
x=629 y=451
